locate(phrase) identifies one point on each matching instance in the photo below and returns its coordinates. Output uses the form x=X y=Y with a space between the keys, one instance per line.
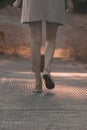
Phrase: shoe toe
x=49 y=83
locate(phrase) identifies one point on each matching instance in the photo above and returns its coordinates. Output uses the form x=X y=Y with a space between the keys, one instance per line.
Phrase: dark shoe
x=48 y=81
x=42 y=64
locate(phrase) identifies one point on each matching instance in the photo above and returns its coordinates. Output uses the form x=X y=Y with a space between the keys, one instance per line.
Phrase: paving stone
x=64 y=108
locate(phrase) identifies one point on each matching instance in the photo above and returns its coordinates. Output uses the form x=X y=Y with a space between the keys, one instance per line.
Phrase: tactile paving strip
x=64 y=108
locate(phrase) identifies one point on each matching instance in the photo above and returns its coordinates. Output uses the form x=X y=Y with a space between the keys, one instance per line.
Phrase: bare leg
x=36 y=40
x=51 y=31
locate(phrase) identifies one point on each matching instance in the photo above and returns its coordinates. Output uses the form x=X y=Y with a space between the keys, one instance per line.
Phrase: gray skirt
x=43 y=10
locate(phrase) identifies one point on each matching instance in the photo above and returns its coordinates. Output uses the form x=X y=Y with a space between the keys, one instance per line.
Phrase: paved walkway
x=64 y=108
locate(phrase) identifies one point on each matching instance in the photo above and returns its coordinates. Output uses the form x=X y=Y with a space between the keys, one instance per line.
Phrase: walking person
x=33 y=13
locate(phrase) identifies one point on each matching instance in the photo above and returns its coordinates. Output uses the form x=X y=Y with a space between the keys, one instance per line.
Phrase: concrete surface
x=63 y=108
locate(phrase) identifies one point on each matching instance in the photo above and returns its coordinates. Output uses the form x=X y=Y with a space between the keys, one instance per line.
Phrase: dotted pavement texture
x=63 y=108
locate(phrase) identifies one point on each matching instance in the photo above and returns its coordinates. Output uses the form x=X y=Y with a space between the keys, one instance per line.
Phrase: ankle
x=46 y=71
x=39 y=82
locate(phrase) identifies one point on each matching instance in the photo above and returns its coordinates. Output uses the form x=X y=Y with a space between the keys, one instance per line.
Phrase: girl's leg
x=51 y=31
x=36 y=40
